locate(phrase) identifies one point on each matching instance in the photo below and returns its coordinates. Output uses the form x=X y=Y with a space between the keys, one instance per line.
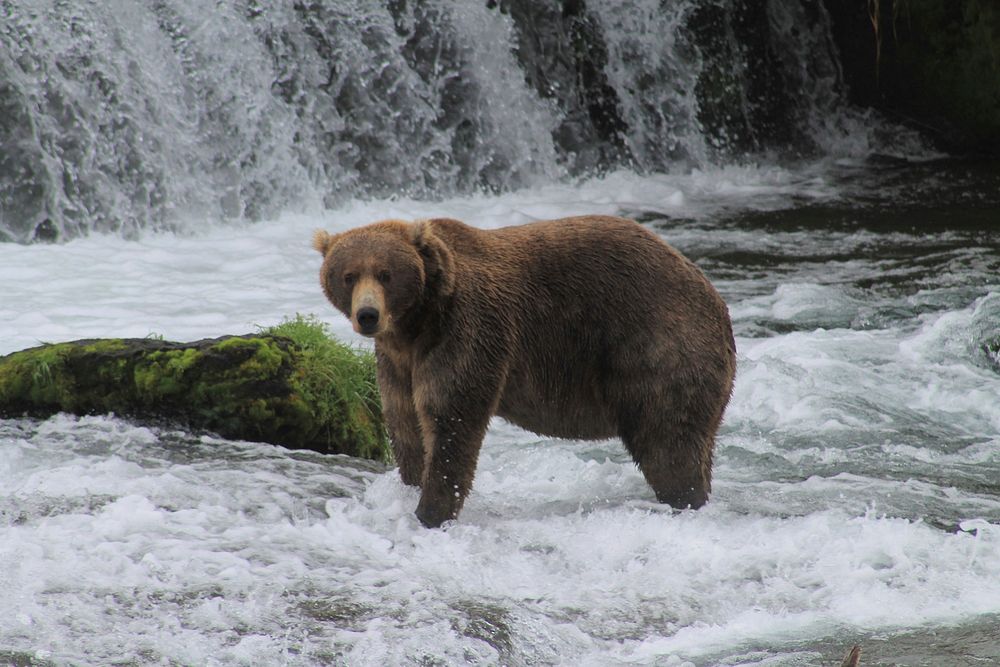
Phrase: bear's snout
x=367 y=318
x=370 y=316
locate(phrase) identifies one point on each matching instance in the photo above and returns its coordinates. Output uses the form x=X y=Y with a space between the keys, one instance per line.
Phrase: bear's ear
x=439 y=265
x=322 y=241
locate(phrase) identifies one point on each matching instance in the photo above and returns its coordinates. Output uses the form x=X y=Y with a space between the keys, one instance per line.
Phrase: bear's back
x=592 y=300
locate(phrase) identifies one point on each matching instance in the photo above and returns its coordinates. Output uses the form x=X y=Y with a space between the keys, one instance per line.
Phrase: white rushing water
x=123 y=116
x=855 y=493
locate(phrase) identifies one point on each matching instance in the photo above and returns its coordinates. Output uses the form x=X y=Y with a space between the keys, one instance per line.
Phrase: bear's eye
x=384 y=277
x=350 y=279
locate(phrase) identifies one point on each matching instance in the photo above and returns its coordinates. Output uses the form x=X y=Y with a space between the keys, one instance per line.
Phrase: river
x=855 y=500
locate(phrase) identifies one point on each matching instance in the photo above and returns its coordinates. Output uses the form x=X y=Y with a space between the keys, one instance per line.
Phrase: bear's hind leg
x=676 y=481
x=674 y=457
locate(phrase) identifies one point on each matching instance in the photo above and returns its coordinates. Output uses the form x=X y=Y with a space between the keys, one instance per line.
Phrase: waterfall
x=118 y=115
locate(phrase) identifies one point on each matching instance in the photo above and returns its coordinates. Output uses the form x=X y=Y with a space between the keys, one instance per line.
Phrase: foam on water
x=558 y=557
x=855 y=494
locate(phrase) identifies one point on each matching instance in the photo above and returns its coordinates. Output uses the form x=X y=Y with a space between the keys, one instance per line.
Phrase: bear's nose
x=367 y=319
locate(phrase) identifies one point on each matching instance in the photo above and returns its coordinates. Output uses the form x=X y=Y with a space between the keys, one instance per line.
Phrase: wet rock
x=563 y=54
x=935 y=63
x=853 y=657
x=992 y=350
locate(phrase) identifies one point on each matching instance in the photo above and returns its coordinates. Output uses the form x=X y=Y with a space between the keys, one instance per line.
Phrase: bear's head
x=383 y=274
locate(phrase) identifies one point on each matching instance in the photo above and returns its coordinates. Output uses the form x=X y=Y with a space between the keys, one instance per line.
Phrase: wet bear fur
x=587 y=327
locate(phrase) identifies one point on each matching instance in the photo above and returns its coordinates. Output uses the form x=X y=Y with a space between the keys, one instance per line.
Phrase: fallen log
x=291 y=385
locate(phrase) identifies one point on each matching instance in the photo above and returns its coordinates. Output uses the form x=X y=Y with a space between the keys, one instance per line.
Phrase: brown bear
x=587 y=327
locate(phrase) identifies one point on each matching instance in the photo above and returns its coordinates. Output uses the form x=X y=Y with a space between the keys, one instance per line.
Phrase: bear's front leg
x=453 y=430
x=401 y=418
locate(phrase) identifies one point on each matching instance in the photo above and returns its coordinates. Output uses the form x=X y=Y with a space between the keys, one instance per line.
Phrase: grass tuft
x=334 y=381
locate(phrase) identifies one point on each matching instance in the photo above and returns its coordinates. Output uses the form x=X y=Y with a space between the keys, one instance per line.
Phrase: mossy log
x=290 y=386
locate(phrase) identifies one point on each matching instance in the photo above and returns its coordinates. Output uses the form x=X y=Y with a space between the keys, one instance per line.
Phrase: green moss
x=178 y=363
x=164 y=373
x=262 y=355
x=160 y=374
x=35 y=377
x=103 y=346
